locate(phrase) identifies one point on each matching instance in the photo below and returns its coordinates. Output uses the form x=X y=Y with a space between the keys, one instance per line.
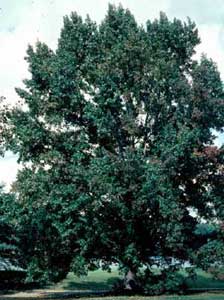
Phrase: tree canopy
x=115 y=138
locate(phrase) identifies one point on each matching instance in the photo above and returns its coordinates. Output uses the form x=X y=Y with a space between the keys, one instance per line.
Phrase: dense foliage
x=115 y=138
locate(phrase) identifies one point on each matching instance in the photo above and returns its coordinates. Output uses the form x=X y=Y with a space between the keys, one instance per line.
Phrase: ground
x=40 y=296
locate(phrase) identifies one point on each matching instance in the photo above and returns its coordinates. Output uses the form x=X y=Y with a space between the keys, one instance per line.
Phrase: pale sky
x=24 y=22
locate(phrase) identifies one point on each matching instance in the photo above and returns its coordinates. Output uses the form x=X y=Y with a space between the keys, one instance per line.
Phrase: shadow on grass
x=92 y=285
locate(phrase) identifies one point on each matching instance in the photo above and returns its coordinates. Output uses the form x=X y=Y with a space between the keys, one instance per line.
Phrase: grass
x=205 y=280
x=100 y=280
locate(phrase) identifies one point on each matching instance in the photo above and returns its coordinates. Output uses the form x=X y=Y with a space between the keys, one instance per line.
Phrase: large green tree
x=115 y=138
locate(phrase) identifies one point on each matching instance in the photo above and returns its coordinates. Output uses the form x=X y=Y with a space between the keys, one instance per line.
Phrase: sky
x=24 y=22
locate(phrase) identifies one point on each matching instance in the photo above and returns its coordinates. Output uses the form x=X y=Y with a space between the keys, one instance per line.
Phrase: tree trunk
x=130 y=281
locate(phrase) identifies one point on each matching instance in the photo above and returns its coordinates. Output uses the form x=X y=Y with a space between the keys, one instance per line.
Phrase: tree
x=8 y=239
x=117 y=147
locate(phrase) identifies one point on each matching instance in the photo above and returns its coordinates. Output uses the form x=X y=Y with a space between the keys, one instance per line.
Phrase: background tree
x=117 y=147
